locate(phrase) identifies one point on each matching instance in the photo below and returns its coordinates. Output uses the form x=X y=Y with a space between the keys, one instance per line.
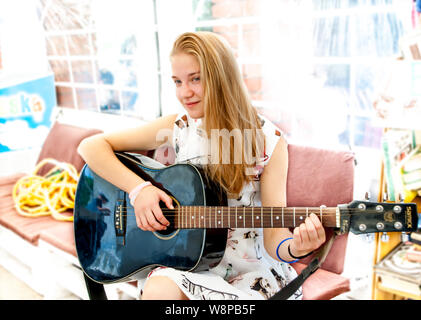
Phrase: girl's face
x=189 y=90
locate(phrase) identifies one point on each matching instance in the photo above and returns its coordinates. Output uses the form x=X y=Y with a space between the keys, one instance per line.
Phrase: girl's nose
x=186 y=91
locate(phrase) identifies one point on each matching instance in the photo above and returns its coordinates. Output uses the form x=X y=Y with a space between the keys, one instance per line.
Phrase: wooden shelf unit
x=380 y=292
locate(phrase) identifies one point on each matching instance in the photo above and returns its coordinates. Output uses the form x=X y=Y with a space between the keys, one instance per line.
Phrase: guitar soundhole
x=170 y=217
x=166 y=232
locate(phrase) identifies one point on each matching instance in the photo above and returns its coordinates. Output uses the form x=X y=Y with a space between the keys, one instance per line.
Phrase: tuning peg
x=385 y=237
x=367 y=196
x=368 y=237
x=404 y=237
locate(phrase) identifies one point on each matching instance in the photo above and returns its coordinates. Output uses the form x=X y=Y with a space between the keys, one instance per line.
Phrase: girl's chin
x=195 y=114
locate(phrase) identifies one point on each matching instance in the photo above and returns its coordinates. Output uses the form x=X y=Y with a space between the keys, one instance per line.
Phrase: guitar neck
x=191 y=217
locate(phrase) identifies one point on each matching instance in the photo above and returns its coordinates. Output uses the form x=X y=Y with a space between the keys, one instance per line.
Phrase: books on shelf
x=413 y=162
x=411 y=170
x=414 y=185
x=397 y=144
x=397 y=272
x=411 y=176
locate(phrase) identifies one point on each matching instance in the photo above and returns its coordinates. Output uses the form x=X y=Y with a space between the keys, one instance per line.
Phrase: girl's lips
x=192 y=104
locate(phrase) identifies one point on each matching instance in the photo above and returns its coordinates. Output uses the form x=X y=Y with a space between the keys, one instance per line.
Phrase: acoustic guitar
x=112 y=248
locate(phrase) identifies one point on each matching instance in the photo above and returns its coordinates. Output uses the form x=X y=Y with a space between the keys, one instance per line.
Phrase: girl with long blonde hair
x=250 y=165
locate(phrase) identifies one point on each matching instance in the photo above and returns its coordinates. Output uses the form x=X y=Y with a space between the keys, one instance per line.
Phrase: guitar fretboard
x=191 y=217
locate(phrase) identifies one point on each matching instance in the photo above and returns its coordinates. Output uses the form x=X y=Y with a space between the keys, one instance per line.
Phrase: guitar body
x=112 y=248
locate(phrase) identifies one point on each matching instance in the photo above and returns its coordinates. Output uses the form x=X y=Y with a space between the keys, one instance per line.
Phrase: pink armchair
x=315 y=177
x=322 y=177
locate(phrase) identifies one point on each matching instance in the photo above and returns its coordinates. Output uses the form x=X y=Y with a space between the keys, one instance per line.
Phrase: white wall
x=22 y=39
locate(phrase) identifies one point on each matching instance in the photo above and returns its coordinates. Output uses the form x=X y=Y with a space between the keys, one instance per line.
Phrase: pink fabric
x=6 y=180
x=321 y=177
x=28 y=228
x=61 y=144
x=61 y=235
x=322 y=285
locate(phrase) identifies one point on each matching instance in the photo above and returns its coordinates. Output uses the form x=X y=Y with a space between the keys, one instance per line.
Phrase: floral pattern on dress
x=246 y=271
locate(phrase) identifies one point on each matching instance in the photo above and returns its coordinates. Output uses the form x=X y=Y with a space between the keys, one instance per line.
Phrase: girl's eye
x=177 y=82
x=196 y=79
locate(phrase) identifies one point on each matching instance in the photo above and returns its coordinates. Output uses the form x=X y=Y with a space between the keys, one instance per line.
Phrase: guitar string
x=169 y=213
x=210 y=216
x=265 y=212
x=269 y=209
x=188 y=224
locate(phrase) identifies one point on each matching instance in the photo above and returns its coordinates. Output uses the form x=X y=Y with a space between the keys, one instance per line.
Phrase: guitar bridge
x=120 y=218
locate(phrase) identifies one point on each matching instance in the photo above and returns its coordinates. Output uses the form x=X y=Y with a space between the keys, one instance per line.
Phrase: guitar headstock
x=367 y=217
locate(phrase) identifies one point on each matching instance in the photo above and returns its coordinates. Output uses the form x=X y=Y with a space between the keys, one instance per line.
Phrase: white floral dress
x=246 y=270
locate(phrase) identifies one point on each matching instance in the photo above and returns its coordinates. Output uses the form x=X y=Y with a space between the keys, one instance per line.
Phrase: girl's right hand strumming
x=149 y=216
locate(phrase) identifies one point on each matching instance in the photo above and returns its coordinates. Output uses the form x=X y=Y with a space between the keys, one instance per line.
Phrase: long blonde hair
x=226 y=105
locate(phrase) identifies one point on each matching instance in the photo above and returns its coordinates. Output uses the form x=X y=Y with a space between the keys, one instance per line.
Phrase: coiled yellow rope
x=51 y=194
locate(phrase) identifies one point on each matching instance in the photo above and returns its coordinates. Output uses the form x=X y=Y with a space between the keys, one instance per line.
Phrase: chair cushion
x=321 y=177
x=7 y=183
x=28 y=228
x=7 y=180
x=61 y=144
x=6 y=188
x=322 y=285
x=61 y=235
x=335 y=259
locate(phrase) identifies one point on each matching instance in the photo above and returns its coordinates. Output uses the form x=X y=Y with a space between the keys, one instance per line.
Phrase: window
x=313 y=67
x=353 y=43
x=103 y=54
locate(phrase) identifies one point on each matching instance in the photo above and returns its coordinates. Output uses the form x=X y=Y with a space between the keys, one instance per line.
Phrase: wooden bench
x=41 y=251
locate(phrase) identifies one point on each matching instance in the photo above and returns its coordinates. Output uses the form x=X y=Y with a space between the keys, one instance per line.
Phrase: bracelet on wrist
x=300 y=257
x=277 y=253
x=134 y=193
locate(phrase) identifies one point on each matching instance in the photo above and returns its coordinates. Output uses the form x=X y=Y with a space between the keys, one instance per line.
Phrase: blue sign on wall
x=25 y=113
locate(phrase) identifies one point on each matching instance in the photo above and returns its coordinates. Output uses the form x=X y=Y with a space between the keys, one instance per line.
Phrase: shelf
x=380 y=292
x=399 y=294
